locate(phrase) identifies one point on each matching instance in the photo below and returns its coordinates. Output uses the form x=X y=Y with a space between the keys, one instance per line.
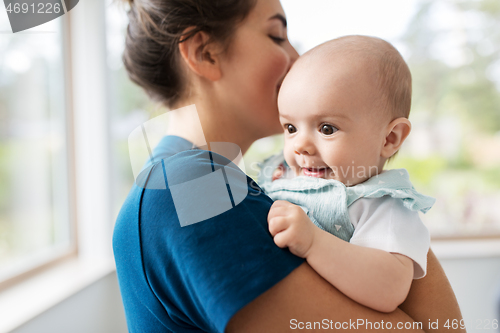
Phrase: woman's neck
x=202 y=124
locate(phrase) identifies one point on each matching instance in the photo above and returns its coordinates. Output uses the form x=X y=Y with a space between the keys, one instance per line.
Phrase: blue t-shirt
x=194 y=277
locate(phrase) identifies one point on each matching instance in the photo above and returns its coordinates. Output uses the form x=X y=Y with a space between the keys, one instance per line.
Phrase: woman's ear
x=201 y=56
x=397 y=132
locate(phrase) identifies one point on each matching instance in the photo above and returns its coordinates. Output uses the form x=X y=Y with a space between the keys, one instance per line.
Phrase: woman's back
x=193 y=277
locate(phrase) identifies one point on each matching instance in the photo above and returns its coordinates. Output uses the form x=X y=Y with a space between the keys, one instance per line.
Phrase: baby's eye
x=328 y=129
x=291 y=129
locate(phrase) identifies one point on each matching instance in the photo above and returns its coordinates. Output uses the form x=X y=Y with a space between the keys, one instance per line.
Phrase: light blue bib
x=326 y=201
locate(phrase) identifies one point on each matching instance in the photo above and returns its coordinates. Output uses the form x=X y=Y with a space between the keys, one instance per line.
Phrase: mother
x=228 y=57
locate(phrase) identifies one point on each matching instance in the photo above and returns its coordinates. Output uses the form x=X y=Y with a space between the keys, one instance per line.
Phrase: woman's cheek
x=281 y=63
x=271 y=75
x=277 y=65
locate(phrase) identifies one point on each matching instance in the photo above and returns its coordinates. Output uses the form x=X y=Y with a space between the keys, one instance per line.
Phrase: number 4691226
x=40 y=8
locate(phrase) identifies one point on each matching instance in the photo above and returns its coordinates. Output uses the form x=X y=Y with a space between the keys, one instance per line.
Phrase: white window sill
x=466 y=249
x=31 y=297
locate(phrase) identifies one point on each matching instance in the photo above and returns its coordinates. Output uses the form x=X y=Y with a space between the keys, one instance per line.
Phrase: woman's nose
x=303 y=145
x=292 y=53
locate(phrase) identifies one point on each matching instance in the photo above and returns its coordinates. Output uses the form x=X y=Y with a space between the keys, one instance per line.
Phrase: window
x=35 y=226
x=54 y=161
x=453 y=51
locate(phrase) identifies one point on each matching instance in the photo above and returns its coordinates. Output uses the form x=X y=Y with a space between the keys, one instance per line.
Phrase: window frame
x=58 y=255
x=88 y=143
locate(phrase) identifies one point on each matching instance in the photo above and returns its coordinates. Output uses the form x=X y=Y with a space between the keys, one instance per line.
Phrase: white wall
x=95 y=309
x=476 y=283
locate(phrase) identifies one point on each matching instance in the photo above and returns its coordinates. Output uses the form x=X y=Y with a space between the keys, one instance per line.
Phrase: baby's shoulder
x=395 y=184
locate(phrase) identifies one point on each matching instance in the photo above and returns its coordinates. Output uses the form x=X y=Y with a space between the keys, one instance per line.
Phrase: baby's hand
x=278 y=173
x=291 y=227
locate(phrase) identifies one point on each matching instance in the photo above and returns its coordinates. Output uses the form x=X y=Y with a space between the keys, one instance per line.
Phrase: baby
x=344 y=109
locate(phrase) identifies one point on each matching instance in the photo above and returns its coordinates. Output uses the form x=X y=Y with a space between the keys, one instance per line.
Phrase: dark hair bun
x=156 y=27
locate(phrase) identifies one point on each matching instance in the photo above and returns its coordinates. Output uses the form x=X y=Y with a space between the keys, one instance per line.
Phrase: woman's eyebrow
x=279 y=17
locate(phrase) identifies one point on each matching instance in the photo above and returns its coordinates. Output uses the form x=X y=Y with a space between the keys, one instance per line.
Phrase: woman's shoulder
x=178 y=160
x=200 y=185
x=193 y=165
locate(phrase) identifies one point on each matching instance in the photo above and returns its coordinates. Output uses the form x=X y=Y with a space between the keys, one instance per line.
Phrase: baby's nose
x=304 y=146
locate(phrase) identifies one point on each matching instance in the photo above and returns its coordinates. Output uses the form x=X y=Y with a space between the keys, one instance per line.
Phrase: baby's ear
x=397 y=132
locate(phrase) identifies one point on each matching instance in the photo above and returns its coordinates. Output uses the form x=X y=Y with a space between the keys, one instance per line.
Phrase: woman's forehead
x=266 y=10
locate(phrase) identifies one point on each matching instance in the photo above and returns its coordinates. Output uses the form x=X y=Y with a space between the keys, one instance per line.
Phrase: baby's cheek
x=289 y=153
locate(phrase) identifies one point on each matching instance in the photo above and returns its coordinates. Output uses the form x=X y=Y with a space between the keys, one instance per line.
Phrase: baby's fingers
x=277 y=224
x=283 y=238
x=279 y=208
x=281 y=203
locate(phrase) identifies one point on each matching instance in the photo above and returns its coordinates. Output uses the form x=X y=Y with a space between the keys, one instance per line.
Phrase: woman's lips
x=314 y=172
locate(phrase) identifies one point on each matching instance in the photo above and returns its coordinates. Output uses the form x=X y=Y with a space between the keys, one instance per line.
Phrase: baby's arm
x=372 y=277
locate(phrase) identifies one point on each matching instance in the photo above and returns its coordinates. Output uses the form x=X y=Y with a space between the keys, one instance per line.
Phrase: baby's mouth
x=315 y=172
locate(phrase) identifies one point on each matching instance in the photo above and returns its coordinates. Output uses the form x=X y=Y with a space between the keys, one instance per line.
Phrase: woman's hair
x=156 y=27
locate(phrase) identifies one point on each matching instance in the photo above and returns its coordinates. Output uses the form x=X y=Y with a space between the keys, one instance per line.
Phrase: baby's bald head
x=373 y=57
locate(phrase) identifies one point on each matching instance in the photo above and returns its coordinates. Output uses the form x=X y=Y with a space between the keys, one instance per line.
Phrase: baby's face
x=334 y=126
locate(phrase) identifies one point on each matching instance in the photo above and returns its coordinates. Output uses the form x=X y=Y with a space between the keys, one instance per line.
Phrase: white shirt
x=386 y=224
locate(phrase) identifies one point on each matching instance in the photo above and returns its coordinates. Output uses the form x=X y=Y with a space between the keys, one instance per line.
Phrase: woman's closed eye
x=277 y=40
x=327 y=129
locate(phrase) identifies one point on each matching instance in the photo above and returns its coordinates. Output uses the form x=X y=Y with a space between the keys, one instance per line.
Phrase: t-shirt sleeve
x=206 y=248
x=386 y=224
